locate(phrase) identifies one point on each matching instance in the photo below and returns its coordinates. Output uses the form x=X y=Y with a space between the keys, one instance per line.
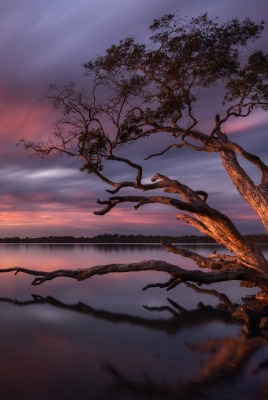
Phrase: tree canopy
x=139 y=90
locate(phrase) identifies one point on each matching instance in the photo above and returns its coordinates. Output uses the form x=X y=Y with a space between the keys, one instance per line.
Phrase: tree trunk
x=255 y=196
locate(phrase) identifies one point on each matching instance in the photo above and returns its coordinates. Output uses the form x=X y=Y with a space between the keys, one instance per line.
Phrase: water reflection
x=115 y=248
x=179 y=318
x=105 y=339
x=223 y=375
x=102 y=247
x=227 y=367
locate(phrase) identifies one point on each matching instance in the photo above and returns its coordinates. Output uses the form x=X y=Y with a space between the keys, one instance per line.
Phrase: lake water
x=105 y=338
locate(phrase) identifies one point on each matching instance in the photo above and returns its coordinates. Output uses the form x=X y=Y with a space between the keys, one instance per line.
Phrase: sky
x=46 y=40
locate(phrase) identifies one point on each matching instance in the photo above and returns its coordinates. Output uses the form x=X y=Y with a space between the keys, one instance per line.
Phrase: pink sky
x=41 y=41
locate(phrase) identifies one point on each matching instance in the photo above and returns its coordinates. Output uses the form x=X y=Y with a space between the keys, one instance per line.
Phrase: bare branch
x=177 y=146
x=43 y=149
x=131 y=164
x=178 y=274
x=219 y=262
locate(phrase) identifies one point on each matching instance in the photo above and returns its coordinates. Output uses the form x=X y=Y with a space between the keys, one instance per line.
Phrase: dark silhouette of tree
x=137 y=91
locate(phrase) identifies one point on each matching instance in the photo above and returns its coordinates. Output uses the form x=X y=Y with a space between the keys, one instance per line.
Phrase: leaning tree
x=143 y=90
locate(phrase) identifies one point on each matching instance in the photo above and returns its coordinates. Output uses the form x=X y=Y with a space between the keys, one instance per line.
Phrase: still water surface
x=105 y=338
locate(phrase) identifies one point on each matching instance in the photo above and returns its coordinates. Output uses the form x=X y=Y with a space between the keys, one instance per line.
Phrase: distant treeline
x=116 y=238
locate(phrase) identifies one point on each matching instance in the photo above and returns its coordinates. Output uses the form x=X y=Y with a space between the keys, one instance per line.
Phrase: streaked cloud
x=41 y=41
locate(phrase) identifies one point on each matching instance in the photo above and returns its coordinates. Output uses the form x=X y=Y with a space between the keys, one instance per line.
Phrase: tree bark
x=177 y=274
x=255 y=195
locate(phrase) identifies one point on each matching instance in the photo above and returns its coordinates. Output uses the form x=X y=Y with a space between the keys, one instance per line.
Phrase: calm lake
x=105 y=338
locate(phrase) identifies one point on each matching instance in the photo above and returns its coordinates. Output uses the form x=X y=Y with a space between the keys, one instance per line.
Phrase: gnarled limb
x=206 y=219
x=178 y=275
x=214 y=261
x=255 y=195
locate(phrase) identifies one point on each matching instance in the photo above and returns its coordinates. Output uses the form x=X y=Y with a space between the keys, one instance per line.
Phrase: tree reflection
x=146 y=389
x=224 y=362
x=180 y=318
